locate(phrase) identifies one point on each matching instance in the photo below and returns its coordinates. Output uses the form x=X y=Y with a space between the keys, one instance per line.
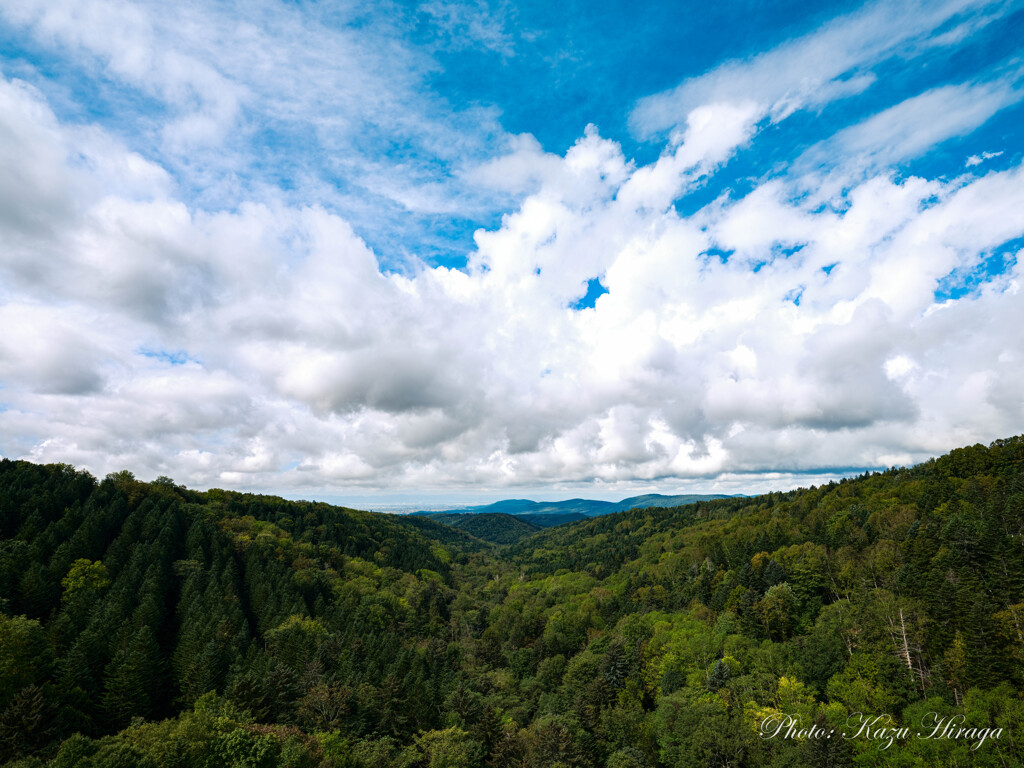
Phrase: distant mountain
x=573 y=509
x=584 y=507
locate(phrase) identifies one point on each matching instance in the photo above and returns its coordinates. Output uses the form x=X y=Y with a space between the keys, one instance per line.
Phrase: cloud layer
x=840 y=313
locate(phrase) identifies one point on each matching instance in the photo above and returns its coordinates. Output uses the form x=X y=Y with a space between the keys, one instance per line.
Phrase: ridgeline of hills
x=146 y=624
x=582 y=507
x=510 y=520
x=544 y=514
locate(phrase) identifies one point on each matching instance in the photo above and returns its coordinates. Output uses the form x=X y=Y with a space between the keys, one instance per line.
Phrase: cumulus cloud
x=766 y=338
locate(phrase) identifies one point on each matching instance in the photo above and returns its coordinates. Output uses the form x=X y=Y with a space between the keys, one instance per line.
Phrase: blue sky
x=470 y=250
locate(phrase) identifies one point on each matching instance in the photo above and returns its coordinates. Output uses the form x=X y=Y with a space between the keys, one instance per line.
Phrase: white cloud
x=238 y=106
x=902 y=132
x=124 y=38
x=262 y=346
x=463 y=25
x=829 y=63
x=979 y=159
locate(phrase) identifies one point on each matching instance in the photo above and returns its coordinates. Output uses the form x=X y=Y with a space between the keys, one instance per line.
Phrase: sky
x=386 y=253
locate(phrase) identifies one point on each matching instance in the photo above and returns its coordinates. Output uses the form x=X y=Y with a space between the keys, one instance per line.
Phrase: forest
x=147 y=624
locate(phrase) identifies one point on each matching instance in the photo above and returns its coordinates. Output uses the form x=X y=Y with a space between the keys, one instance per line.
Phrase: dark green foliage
x=718 y=676
x=133 y=680
x=495 y=527
x=144 y=624
x=823 y=752
x=26 y=723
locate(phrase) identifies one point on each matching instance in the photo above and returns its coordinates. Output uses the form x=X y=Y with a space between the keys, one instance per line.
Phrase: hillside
x=495 y=527
x=532 y=521
x=659 y=500
x=145 y=624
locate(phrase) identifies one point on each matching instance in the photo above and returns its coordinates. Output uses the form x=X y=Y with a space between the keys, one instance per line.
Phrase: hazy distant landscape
x=582 y=507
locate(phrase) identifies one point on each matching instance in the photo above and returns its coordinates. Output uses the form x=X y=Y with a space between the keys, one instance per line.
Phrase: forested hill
x=495 y=527
x=144 y=624
x=851 y=515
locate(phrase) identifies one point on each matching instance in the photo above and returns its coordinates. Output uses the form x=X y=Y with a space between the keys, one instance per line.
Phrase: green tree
x=26 y=723
x=777 y=611
x=85 y=576
x=825 y=752
x=25 y=656
x=132 y=685
x=450 y=748
x=696 y=732
x=627 y=757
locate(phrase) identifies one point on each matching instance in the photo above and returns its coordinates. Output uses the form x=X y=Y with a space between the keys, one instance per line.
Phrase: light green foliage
x=627 y=757
x=381 y=752
x=74 y=752
x=85 y=576
x=864 y=686
x=450 y=748
x=777 y=611
x=243 y=749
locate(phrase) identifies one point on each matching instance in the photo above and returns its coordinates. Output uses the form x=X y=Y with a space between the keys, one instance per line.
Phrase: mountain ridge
x=577 y=506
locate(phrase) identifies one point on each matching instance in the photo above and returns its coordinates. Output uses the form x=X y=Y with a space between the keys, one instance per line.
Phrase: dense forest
x=495 y=527
x=146 y=624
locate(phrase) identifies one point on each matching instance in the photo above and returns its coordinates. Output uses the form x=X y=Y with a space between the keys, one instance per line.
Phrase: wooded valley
x=146 y=624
